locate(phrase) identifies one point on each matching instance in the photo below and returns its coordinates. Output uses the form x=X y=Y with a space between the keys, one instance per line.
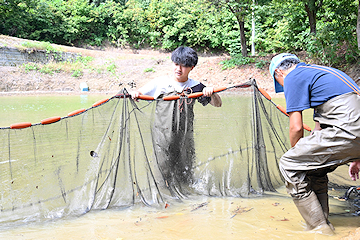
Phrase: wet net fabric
x=124 y=152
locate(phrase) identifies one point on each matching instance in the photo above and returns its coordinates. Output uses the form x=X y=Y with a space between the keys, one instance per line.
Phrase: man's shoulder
x=301 y=71
x=193 y=82
x=301 y=66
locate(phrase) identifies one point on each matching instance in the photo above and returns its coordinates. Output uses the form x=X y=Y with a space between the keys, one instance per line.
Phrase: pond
x=271 y=216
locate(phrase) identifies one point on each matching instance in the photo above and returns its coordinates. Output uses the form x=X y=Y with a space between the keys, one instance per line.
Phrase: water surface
x=272 y=216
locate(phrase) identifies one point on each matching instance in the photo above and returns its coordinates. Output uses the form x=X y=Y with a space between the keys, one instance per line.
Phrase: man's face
x=181 y=72
x=279 y=76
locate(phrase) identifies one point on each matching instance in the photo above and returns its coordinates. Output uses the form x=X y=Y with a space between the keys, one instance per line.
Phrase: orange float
x=282 y=109
x=195 y=95
x=20 y=125
x=50 y=120
x=306 y=127
x=122 y=95
x=146 y=97
x=100 y=102
x=219 y=89
x=170 y=98
x=264 y=93
x=73 y=113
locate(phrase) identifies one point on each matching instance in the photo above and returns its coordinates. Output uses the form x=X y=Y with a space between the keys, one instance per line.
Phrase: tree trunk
x=312 y=18
x=358 y=27
x=243 y=38
x=241 y=23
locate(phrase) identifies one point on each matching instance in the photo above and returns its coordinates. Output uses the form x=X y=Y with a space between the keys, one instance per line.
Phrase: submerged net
x=120 y=152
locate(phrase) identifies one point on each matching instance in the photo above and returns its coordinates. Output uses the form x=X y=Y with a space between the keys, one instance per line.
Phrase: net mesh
x=111 y=155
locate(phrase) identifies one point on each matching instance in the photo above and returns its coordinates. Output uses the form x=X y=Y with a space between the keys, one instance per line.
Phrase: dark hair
x=286 y=64
x=185 y=56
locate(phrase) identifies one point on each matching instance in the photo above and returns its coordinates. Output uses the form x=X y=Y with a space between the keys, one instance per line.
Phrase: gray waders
x=173 y=142
x=305 y=166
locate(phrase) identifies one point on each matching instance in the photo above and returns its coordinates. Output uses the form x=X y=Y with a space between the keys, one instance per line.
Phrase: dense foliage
x=206 y=25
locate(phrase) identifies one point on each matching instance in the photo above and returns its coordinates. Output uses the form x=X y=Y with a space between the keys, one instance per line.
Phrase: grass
x=149 y=70
x=75 y=68
x=46 y=46
x=239 y=60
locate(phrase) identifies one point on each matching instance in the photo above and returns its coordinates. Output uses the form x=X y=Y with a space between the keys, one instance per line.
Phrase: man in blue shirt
x=335 y=98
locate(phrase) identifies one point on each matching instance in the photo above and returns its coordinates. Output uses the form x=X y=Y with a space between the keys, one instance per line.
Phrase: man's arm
x=296 y=130
x=215 y=98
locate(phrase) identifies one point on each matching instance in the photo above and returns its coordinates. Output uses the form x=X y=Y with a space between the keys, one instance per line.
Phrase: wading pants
x=305 y=166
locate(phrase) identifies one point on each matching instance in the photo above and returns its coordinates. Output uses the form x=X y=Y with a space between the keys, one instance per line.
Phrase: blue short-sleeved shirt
x=308 y=86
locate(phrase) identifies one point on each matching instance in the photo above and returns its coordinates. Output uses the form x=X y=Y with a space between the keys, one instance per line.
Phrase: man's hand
x=208 y=91
x=215 y=98
x=354 y=170
x=135 y=94
x=316 y=128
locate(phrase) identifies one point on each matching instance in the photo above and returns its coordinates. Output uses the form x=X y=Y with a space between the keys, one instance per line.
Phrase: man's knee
x=319 y=180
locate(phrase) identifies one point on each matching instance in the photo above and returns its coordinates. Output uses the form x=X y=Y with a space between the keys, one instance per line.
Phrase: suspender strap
x=332 y=71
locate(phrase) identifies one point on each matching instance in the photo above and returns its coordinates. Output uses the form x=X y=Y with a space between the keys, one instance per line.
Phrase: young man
x=334 y=96
x=173 y=124
x=184 y=60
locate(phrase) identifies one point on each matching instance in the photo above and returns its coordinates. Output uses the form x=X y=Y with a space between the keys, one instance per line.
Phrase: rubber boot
x=313 y=214
x=324 y=201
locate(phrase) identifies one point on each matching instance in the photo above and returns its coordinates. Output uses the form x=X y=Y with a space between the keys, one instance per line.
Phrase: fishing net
x=120 y=152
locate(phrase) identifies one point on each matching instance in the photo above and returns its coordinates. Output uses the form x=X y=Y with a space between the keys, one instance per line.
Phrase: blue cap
x=275 y=62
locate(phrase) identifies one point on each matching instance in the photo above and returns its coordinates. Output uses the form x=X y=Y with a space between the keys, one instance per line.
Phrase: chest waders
x=305 y=166
x=173 y=140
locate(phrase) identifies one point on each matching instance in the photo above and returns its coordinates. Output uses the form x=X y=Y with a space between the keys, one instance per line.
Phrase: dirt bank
x=130 y=70
x=113 y=69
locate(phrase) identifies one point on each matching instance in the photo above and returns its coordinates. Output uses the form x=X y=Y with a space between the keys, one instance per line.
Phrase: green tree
x=15 y=16
x=241 y=9
x=98 y=2
x=358 y=26
x=335 y=40
x=174 y=22
x=311 y=8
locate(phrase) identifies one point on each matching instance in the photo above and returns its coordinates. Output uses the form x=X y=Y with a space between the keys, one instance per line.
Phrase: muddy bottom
x=271 y=217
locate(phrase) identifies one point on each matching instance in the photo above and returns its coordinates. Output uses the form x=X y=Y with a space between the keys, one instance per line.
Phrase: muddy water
x=15 y=109
x=272 y=216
